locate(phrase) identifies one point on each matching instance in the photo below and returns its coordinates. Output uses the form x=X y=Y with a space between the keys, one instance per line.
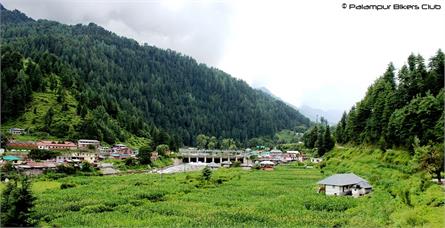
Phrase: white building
x=84 y=143
x=16 y=131
x=344 y=184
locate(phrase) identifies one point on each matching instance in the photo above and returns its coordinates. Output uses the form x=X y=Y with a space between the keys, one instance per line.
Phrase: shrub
x=206 y=174
x=99 y=208
x=86 y=167
x=153 y=197
x=37 y=154
x=68 y=169
x=236 y=164
x=17 y=202
x=323 y=203
x=130 y=161
x=67 y=185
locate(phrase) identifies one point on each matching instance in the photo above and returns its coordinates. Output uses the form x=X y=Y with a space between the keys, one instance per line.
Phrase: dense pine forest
x=110 y=88
x=401 y=108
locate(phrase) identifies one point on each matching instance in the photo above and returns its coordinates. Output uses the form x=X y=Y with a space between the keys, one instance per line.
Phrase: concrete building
x=54 y=145
x=213 y=156
x=77 y=157
x=344 y=184
x=86 y=143
x=16 y=131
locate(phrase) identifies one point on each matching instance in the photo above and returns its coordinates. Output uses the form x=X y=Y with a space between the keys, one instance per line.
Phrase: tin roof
x=345 y=179
x=11 y=158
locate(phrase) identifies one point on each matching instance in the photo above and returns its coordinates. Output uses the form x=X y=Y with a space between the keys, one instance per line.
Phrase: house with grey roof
x=344 y=184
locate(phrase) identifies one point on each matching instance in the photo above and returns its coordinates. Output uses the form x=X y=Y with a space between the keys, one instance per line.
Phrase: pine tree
x=17 y=201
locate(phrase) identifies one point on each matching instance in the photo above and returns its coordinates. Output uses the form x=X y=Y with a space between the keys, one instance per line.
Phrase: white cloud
x=311 y=52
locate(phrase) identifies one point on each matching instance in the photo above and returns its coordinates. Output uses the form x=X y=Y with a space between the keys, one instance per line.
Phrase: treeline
x=399 y=108
x=120 y=84
x=211 y=142
x=319 y=137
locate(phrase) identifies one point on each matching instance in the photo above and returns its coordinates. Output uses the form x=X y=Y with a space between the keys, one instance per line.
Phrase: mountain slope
x=146 y=89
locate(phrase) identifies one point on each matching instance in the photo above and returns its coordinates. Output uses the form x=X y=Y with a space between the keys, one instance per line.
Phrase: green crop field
x=285 y=197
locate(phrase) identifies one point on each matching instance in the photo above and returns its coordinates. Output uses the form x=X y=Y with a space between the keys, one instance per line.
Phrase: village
x=92 y=152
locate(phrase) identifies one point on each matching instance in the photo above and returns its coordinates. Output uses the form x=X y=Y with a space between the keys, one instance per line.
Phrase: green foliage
x=286 y=137
x=429 y=158
x=67 y=185
x=206 y=174
x=144 y=155
x=66 y=169
x=7 y=170
x=392 y=115
x=398 y=190
x=285 y=197
x=201 y=141
x=162 y=149
x=327 y=204
x=38 y=154
x=86 y=167
x=153 y=197
x=130 y=161
x=123 y=89
x=17 y=202
x=320 y=138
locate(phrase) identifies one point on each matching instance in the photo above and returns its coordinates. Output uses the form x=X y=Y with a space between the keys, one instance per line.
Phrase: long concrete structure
x=215 y=156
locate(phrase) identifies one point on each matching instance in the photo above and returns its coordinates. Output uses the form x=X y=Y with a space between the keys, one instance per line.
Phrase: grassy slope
x=41 y=102
x=400 y=197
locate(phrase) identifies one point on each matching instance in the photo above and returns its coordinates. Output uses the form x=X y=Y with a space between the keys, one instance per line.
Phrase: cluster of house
x=279 y=156
x=86 y=150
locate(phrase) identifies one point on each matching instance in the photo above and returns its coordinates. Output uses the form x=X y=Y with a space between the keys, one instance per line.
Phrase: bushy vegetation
x=319 y=137
x=17 y=202
x=286 y=196
x=37 y=154
x=403 y=195
x=396 y=110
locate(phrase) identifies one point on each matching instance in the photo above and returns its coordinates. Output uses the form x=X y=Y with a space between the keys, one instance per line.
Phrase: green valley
x=285 y=197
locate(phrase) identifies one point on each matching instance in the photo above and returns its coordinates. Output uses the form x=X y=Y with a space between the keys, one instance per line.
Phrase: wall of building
x=334 y=190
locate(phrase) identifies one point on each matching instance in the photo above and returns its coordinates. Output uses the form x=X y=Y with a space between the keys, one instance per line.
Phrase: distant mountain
x=332 y=115
x=116 y=86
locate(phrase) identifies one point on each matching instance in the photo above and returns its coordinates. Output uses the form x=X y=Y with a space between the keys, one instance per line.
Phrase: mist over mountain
x=332 y=115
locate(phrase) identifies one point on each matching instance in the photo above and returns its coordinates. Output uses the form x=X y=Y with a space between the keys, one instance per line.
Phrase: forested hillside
x=119 y=88
x=400 y=107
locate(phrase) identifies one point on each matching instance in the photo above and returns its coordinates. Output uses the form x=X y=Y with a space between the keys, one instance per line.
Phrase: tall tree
x=17 y=202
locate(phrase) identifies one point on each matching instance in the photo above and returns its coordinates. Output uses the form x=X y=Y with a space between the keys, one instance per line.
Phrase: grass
x=285 y=197
x=253 y=198
x=34 y=116
x=401 y=197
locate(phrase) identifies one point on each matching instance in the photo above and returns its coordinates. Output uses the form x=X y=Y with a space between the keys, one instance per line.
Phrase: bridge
x=215 y=156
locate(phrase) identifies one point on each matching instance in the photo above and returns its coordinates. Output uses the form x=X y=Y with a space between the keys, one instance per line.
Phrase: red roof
x=54 y=143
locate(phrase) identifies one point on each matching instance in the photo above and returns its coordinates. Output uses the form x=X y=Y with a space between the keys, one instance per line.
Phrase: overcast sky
x=313 y=53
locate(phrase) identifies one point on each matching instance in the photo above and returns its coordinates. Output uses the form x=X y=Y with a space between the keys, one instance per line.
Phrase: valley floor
x=285 y=197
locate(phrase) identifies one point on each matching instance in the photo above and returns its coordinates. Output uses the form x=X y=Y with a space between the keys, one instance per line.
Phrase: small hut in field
x=267 y=165
x=344 y=184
